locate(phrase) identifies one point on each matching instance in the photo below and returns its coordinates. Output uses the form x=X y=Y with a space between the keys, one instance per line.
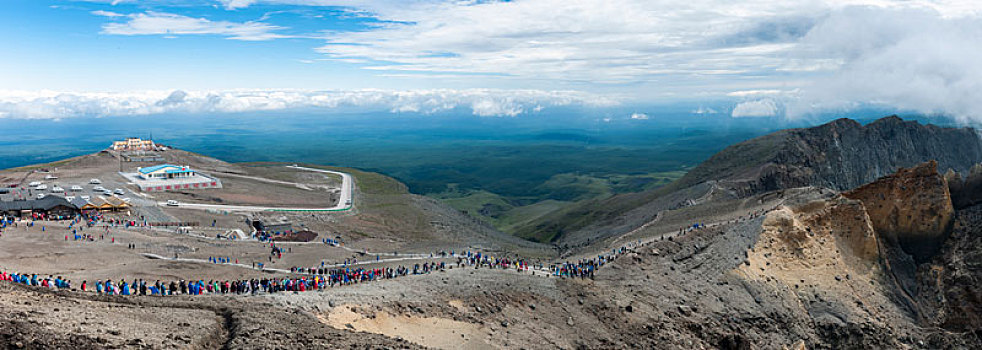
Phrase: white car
x=42 y=187
x=41 y=195
x=95 y=182
x=85 y=197
x=76 y=188
x=70 y=198
x=50 y=177
x=119 y=191
x=34 y=184
x=172 y=203
x=57 y=189
x=99 y=189
x=107 y=192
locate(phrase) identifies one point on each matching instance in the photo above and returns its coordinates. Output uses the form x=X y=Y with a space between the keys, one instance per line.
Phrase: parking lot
x=39 y=185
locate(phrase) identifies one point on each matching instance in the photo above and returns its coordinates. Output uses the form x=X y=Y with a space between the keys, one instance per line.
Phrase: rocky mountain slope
x=893 y=264
x=821 y=271
x=839 y=155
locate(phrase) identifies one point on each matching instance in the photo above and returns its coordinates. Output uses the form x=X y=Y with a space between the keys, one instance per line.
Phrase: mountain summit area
x=838 y=236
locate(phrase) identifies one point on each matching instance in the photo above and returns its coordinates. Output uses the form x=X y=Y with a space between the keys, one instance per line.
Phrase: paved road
x=344 y=203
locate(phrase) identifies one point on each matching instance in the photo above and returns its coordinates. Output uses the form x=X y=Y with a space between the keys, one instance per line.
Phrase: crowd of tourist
x=318 y=279
x=312 y=278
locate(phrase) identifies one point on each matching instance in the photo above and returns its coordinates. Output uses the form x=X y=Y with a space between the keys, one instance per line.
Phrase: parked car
x=107 y=192
x=50 y=177
x=76 y=188
x=172 y=203
x=85 y=197
x=34 y=183
x=41 y=195
x=95 y=182
x=99 y=189
x=42 y=187
x=57 y=189
x=119 y=191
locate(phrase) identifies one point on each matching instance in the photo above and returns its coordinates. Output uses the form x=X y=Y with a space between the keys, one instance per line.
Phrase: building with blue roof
x=170 y=177
x=166 y=172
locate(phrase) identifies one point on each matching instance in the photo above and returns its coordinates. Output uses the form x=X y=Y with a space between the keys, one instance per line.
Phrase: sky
x=725 y=58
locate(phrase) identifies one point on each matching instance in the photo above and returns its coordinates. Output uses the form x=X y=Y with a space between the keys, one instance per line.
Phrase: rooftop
x=45 y=203
x=154 y=168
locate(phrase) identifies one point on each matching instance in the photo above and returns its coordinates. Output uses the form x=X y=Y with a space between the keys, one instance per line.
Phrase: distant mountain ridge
x=841 y=155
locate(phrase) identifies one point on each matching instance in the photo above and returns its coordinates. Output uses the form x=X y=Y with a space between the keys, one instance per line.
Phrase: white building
x=165 y=172
x=133 y=144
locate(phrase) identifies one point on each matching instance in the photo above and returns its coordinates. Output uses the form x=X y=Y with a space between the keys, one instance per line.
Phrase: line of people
x=320 y=279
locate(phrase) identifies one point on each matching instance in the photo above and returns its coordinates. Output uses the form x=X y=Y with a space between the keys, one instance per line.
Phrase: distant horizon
x=165 y=133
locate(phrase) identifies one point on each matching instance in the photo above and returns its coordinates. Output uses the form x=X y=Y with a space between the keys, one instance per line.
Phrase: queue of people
x=318 y=279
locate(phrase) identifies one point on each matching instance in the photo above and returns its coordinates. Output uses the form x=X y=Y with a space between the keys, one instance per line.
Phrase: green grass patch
x=532 y=217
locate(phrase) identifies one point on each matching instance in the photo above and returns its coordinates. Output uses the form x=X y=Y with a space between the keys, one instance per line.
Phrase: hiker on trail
x=125 y=288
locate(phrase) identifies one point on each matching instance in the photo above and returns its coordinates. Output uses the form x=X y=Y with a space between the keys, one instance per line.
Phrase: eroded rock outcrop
x=822 y=251
x=966 y=191
x=911 y=207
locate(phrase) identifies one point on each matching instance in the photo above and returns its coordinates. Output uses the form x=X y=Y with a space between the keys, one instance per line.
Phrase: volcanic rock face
x=951 y=283
x=912 y=207
x=841 y=155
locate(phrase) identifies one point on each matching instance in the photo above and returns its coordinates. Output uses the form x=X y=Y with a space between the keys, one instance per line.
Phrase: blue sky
x=752 y=58
x=64 y=45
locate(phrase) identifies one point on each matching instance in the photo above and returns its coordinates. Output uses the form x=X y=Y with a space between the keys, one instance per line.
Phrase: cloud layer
x=481 y=102
x=909 y=59
x=157 y=23
x=770 y=57
x=756 y=108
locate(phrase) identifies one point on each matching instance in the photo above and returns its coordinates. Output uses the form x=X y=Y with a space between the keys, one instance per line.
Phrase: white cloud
x=750 y=93
x=158 y=23
x=107 y=13
x=480 y=102
x=757 y=108
x=639 y=116
x=704 y=110
x=910 y=59
x=237 y=4
x=612 y=41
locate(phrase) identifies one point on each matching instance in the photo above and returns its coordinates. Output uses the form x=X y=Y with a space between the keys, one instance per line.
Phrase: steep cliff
x=950 y=284
x=911 y=207
x=966 y=191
